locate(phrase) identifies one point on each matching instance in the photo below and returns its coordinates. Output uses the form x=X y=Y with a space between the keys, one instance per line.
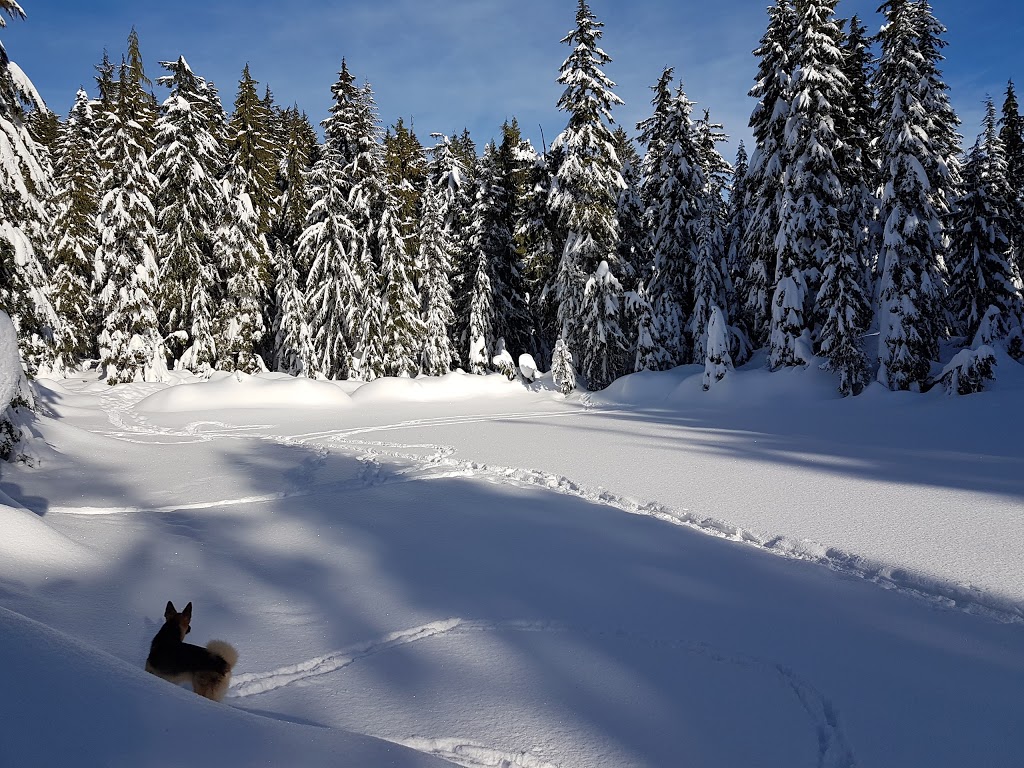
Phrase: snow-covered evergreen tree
x=858 y=156
x=736 y=221
x=820 y=177
x=74 y=206
x=437 y=245
x=502 y=313
x=386 y=322
x=537 y=233
x=983 y=275
x=917 y=176
x=242 y=255
x=674 y=208
x=811 y=233
x=709 y=281
x=331 y=243
x=131 y=347
x=563 y=373
x=187 y=161
x=250 y=146
x=299 y=152
x=1011 y=133
x=25 y=179
x=293 y=339
x=603 y=300
x=717 y=360
x=767 y=167
x=406 y=162
x=587 y=183
x=402 y=325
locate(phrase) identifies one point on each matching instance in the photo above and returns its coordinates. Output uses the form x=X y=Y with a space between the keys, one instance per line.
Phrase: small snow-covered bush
x=718 y=361
x=503 y=362
x=562 y=371
x=968 y=371
x=528 y=367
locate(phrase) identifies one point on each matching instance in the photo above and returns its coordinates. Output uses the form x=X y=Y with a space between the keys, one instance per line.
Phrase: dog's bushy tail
x=225 y=651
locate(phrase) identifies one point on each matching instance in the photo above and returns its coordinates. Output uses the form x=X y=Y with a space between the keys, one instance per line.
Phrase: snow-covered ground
x=467 y=571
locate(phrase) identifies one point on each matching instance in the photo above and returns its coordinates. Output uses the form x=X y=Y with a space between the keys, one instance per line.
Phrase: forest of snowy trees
x=151 y=230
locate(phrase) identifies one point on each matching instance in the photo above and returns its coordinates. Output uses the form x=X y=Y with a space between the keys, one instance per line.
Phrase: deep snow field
x=474 y=572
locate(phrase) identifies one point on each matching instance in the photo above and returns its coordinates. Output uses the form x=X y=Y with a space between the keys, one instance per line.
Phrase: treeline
x=152 y=235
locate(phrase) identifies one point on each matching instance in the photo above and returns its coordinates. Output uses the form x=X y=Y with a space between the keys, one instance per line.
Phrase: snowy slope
x=448 y=565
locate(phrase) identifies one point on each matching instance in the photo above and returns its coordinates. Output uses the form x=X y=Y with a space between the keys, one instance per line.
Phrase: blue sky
x=450 y=64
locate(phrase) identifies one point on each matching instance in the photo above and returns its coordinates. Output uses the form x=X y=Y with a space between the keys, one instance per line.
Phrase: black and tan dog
x=170 y=657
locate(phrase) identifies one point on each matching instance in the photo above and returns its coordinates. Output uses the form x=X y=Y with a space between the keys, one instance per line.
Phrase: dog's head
x=179 y=620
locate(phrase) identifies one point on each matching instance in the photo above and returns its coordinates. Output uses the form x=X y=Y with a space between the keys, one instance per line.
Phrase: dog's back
x=171 y=658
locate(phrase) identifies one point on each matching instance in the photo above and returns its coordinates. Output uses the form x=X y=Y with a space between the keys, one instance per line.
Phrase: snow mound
x=31 y=551
x=429 y=389
x=110 y=712
x=238 y=391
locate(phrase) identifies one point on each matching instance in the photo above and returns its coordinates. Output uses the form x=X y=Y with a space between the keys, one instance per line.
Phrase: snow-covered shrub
x=503 y=362
x=993 y=327
x=717 y=361
x=528 y=367
x=562 y=371
x=968 y=371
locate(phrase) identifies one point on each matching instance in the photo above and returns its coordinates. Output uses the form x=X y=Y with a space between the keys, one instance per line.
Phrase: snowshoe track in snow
x=434 y=462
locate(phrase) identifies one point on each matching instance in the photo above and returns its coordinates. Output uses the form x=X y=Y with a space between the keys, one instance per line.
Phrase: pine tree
x=437 y=245
x=334 y=243
x=562 y=371
x=75 y=205
x=25 y=179
x=402 y=324
x=241 y=253
x=131 y=348
x=821 y=176
x=712 y=285
x=491 y=242
x=187 y=161
x=294 y=201
x=250 y=144
x=603 y=302
x=293 y=339
x=858 y=158
x=916 y=179
x=983 y=276
x=537 y=233
x=515 y=158
x=1011 y=133
x=709 y=281
x=673 y=209
x=767 y=166
x=717 y=360
x=632 y=258
x=588 y=182
x=737 y=219
x=406 y=163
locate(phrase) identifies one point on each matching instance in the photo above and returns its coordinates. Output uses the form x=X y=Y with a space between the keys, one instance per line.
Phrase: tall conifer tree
x=1011 y=133
x=75 y=204
x=131 y=347
x=916 y=178
x=187 y=162
x=983 y=277
x=589 y=180
x=767 y=166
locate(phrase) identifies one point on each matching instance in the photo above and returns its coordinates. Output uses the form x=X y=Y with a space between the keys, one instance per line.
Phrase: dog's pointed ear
x=169 y=610
x=187 y=613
